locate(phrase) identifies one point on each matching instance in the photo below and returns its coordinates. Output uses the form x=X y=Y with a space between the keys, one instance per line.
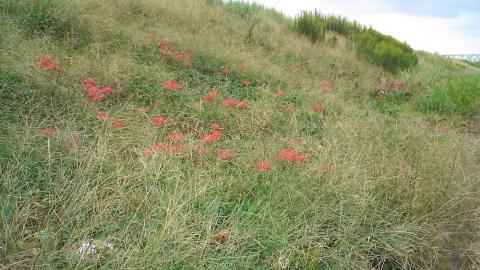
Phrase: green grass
x=383 y=188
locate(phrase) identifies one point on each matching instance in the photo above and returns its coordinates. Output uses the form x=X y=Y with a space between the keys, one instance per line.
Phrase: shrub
x=309 y=25
x=458 y=96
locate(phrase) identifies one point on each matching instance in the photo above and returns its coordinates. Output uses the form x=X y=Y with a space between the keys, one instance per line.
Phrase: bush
x=309 y=25
x=458 y=96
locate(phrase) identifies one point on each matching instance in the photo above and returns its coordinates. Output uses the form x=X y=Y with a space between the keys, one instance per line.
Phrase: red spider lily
x=118 y=124
x=154 y=148
x=141 y=110
x=46 y=63
x=94 y=94
x=202 y=150
x=294 y=142
x=243 y=105
x=221 y=238
x=216 y=126
x=103 y=116
x=288 y=108
x=172 y=85
x=48 y=131
x=326 y=87
x=107 y=90
x=318 y=107
x=188 y=65
x=182 y=56
x=230 y=102
x=290 y=155
x=176 y=137
x=398 y=85
x=152 y=34
x=280 y=93
x=226 y=71
x=225 y=154
x=159 y=121
x=210 y=96
x=263 y=166
x=212 y=137
x=242 y=67
x=246 y=83
x=88 y=83
x=176 y=149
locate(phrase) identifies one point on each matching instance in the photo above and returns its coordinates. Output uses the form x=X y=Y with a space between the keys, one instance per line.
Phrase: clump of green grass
x=309 y=25
x=457 y=96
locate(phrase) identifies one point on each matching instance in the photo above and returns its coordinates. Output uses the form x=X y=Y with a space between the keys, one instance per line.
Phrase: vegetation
x=171 y=135
x=380 y=49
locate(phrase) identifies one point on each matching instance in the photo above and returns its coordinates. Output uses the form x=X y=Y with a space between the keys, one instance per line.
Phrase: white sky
x=448 y=27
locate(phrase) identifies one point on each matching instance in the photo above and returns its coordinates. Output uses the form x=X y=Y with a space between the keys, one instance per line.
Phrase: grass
x=377 y=191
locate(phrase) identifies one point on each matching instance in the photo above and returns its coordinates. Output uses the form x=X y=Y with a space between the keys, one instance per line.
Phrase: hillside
x=189 y=134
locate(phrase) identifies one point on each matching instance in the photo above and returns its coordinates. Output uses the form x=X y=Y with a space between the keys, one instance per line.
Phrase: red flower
x=94 y=94
x=141 y=110
x=176 y=149
x=48 y=131
x=326 y=87
x=225 y=154
x=103 y=116
x=226 y=71
x=243 y=105
x=182 y=56
x=292 y=68
x=246 y=83
x=176 y=137
x=165 y=45
x=159 y=121
x=290 y=155
x=216 y=126
x=398 y=85
x=318 y=107
x=210 y=96
x=46 y=63
x=230 y=102
x=154 y=148
x=172 y=85
x=263 y=166
x=152 y=33
x=188 y=65
x=118 y=124
x=88 y=83
x=108 y=90
x=280 y=93
x=242 y=67
x=212 y=137
x=288 y=108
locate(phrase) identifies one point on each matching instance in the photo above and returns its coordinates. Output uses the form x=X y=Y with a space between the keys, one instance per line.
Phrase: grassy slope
x=395 y=185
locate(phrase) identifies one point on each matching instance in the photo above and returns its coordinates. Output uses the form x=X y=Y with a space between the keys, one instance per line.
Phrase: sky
x=443 y=26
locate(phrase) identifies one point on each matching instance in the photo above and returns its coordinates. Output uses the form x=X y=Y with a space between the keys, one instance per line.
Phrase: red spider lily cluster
x=212 y=137
x=263 y=166
x=230 y=102
x=280 y=94
x=159 y=121
x=295 y=68
x=326 y=86
x=211 y=95
x=398 y=85
x=172 y=85
x=118 y=124
x=47 y=62
x=225 y=154
x=176 y=137
x=290 y=155
x=163 y=147
x=48 y=131
x=226 y=71
x=318 y=107
x=94 y=93
x=246 y=83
